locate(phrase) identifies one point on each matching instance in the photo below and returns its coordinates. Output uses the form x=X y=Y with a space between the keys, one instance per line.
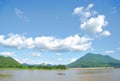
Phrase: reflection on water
x=57 y=75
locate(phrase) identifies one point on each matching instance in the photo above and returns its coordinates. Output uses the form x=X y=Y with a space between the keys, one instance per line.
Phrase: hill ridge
x=95 y=60
x=8 y=62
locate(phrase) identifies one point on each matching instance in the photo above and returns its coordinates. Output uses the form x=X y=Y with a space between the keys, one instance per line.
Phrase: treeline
x=46 y=67
x=36 y=67
x=10 y=66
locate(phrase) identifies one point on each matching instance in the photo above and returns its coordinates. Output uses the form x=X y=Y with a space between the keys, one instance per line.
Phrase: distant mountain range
x=9 y=62
x=43 y=64
x=95 y=60
x=88 y=60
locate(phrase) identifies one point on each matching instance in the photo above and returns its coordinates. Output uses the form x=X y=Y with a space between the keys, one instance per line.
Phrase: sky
x=58 y=31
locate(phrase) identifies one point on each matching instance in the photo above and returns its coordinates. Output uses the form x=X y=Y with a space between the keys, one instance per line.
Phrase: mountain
x=25 y=64
x=8 y=62
x=43 y=64
x=95 y=60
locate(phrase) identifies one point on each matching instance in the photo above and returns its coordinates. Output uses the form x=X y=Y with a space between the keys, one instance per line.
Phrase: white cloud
x=16 y=41
x=29 y=61
x=7 y=54
x=47 y=43
x=59 y=59
x=20 y=15
x=108 y=52
x=105 y=33
x=94 y=25
x=78 y=10
x=91 y=20
x=84 y=13
x=36 y=54
x=90 y=6
x=25 y=61
x=73 y=59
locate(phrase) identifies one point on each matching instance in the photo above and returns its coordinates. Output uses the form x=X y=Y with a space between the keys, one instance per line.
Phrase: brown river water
x=61 y=75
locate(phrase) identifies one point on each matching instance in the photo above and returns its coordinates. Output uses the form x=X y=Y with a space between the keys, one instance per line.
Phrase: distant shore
x=93 y=68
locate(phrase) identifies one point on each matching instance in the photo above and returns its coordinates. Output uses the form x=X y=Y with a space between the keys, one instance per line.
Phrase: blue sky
x=58 y=31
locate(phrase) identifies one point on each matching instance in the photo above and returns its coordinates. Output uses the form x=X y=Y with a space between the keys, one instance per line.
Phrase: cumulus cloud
x=94 y=25
x=20 y=15
x=47 y=43
x=91 y=20
x=7 y=54
x=73 y=59
x=108 y=52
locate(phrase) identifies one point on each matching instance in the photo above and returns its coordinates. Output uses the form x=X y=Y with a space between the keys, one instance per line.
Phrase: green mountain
x=95 y=60
x=8 y=62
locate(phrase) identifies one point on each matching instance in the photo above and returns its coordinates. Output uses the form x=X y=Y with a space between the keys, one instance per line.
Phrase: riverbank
x=39 y=67
x=93 y=68
x=32 y=69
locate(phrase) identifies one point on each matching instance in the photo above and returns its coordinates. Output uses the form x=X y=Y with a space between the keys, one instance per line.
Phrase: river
x=61 y=75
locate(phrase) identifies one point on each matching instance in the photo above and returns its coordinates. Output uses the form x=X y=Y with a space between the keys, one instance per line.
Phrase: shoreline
x=92 y=68
x=28 y=69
